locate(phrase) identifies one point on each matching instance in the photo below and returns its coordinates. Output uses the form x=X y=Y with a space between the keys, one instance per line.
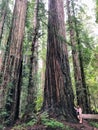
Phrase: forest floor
x=68 y=126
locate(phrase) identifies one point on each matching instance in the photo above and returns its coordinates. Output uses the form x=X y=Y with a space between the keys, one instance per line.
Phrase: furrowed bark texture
x=13 y=63
x=58 y=93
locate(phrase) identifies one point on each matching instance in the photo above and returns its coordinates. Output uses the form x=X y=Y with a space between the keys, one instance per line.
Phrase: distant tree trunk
x=81 y=89
x=58 y=93
x=2 y=17
x=13 y=65
x=2 y=21
x=43 y=73
x=75 y=56
x=96 y=11
x=33 y=64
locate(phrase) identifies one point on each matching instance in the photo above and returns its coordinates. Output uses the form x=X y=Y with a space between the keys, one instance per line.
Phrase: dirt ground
x=76 y=126
x=84 y=126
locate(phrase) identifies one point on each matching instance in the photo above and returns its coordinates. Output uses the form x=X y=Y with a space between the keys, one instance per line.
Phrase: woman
x=79 y=113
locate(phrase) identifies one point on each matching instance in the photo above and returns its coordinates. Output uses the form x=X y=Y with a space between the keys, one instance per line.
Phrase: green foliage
x=3 y=114
x=24 y=125
x=19 y=127
x=96 y=10
x=25 y=81
x=39 y=102
x=92 y=78
x=39 y=98
x=94 y=124
x=32 y=122
x=86 y=52
x=44 y=116
x=68 y=128
x=51 y=123
x=26 y=55
x=9 y=98
x=1 y=127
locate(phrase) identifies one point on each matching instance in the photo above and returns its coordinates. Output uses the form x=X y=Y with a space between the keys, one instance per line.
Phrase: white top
x=80 y=111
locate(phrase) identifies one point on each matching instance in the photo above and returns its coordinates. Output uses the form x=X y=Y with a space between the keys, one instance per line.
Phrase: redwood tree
x=81 y=88
x=58 y=93
x=96 y=11
x=13 y=62
x=2 y=16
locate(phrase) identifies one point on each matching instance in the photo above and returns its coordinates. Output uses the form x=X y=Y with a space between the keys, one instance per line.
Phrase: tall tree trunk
x=58 y=93
x=2 y=17
x=13 y=64
x=33 y=64
x=96 y=11
x=2 y=21
x=75 y=56
x=81 y=89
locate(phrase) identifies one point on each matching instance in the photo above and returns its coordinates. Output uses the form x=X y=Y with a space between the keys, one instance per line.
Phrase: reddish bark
x=13 y=63
x=58 y=94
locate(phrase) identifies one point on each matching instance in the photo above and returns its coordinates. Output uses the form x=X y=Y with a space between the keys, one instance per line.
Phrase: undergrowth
x=53 y=123
x=43 y=119
x=1 y=127
x=94 y=124
x=50 y=122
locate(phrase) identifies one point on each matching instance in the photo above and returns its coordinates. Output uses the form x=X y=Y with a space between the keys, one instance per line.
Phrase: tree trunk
x=2 y=21
x=58 y=93
x=96 y=11
x=75 y=56
x=2 y=18
x=13 y=64
x=33 y=64
x=81 y=89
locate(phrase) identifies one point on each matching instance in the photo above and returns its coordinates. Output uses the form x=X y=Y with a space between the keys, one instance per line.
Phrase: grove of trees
x=48 y=59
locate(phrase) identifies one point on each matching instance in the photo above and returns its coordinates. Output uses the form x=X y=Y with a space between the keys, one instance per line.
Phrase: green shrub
x=3 y=114
x=44 y=116
x=32 y=122
x=68 y=128
x=1 y=127
x=52 y=123
x=94 y=124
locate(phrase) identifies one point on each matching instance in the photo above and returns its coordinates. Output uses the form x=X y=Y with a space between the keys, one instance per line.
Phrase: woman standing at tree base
x=79 y=113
